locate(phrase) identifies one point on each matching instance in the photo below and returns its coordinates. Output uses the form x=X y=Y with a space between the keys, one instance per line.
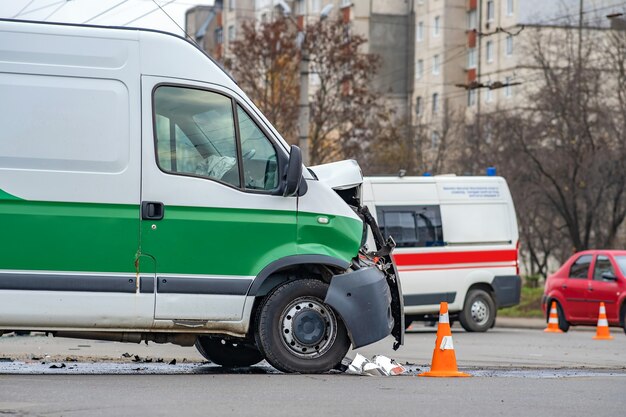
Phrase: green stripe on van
x=6 y=196
x=58 y=236
x=85 y=237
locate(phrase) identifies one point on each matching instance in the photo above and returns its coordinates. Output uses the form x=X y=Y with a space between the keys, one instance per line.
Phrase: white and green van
x=143 y=197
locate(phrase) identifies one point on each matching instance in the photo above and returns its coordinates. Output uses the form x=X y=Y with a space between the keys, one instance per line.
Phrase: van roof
x=123 y=28
x=162 y=54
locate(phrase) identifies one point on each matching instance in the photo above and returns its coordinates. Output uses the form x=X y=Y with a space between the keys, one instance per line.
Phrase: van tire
x=290 y=347
x=227 y=353
x=479 y=311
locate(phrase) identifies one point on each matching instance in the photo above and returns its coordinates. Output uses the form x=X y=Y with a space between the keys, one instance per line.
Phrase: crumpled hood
x=339 y=175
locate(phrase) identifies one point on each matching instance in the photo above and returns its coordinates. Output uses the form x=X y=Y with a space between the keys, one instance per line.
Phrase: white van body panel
x=480 y=236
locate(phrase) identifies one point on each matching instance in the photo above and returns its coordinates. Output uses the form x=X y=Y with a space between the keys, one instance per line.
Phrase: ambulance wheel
x=479 y=311
x=297 y=331
x=227 y=353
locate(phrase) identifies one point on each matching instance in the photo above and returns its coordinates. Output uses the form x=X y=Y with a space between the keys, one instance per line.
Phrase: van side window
x=580 y=268
x=260 y=166
x=195 y=134
x=412 y=226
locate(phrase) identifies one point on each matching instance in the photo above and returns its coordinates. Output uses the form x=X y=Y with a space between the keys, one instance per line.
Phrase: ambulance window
x=412 y=226
x=195 y=134
x=400 y=225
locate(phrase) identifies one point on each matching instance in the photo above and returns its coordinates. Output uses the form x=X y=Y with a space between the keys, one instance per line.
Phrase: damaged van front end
x=368 y=296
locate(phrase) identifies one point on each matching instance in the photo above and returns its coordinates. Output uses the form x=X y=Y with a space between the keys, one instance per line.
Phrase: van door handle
x=564 y=286
x=152 y=210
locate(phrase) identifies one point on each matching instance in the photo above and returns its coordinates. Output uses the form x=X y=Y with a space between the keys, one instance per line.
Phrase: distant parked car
x=585 y=280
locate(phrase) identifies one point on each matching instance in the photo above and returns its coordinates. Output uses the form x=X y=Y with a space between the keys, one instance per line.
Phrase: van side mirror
x=609 y=276
x=293 y=182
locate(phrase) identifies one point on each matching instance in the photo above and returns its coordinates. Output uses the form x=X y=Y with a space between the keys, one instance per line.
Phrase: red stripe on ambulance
x=451 y=258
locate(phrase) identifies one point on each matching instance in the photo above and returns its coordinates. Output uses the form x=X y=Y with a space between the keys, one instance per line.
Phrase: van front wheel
x=479 y=311
x=298 y=332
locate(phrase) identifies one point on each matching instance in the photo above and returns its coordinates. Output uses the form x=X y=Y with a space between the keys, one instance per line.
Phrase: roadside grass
x=529 y=306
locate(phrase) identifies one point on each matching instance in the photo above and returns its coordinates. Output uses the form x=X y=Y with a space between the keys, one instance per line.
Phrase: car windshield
x=621 y=262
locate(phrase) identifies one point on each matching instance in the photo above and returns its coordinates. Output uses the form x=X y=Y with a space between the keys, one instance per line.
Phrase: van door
x=211 y=216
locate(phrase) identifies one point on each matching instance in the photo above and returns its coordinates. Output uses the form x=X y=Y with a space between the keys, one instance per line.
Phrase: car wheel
x=227 y=352
x=298 y=332
x=479 y=311
x=624 y=318
x=563 y=324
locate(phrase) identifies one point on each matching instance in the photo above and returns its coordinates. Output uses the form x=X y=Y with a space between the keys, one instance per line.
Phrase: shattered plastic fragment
x=389 y=365
x=378 y=366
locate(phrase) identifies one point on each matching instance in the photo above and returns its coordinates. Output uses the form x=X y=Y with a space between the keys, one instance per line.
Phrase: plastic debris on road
x=378 y=366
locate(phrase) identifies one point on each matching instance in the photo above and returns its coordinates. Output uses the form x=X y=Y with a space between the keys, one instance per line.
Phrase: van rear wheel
x=298 y=332
x=227 y=352
x=479 y=311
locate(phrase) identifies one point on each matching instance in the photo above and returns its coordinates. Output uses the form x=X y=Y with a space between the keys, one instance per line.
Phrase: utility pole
x=479 y=42
x=303 y=106
x=580 y=32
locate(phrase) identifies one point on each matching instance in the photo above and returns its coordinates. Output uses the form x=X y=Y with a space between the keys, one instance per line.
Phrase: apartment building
x=440 y=58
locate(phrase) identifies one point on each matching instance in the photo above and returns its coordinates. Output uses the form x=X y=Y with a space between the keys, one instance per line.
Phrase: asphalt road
x=516 y=372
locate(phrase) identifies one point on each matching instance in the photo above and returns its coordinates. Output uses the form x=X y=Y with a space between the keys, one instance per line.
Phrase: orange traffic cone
x=444 y=359
x=553 y=320
x=602 y=331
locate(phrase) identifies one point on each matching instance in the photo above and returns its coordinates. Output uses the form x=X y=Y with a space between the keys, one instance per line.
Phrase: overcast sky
x=137 y=13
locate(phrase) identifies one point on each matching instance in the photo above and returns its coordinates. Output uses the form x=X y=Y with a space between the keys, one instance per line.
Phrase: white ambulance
x=457 y=241
x=143 y=197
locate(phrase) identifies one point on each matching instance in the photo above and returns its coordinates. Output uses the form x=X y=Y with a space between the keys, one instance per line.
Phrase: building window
x=509 y=7
x=219 y=36
x=436 y=26
x=231 y=33
x=472 y=20
x=300 y=7
x=489 y=95
x=509 y=45
x=419 y=35
x=434 y=139
x=435 y=103
x=436 y=65
x=471 y=98
x=419 y=69
x=489 y=51
x=316 y=6
x=508 y=92
x=232 y=5
x=471 y=58
x=418 y=106
x=490 y=11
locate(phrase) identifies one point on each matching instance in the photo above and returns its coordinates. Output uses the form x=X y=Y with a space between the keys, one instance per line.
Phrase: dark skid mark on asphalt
x=206 y=368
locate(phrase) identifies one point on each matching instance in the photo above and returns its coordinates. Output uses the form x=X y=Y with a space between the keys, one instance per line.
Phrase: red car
x=586 y=279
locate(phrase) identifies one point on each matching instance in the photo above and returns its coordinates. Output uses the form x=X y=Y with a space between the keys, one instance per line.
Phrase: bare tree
x=265 y=60
x=564 y=152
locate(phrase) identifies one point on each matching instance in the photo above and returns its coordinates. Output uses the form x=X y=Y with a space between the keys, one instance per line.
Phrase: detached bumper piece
x=363 y=300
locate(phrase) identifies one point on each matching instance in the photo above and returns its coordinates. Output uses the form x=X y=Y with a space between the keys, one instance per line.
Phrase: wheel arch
x=482 y=286
x=280 y=271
